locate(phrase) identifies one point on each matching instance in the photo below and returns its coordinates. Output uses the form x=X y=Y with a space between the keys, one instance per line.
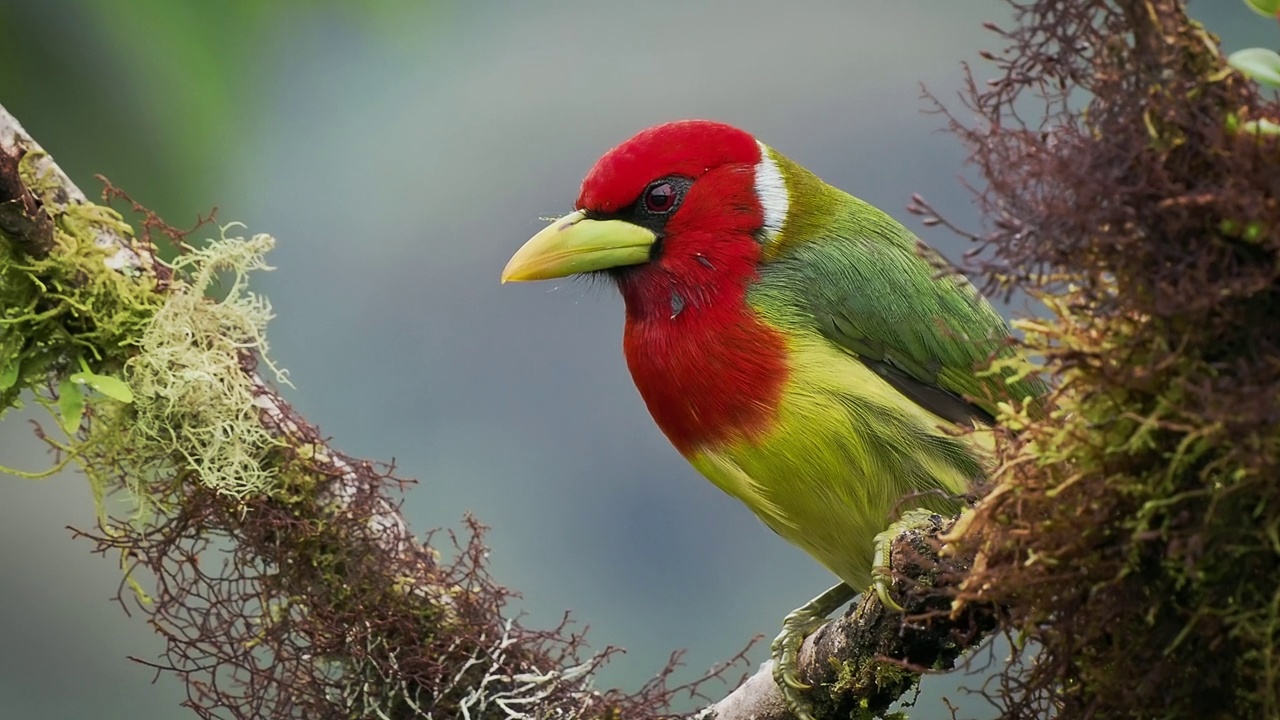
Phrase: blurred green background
x=400 y=151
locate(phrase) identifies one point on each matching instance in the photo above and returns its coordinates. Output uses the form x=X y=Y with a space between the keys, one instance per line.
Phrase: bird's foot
x=786 y=647
x=882 y=568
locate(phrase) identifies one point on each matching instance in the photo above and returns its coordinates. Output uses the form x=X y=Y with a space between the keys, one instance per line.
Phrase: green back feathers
x=864 y=282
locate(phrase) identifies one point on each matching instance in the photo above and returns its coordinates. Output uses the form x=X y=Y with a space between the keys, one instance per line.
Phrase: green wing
x=895 y=304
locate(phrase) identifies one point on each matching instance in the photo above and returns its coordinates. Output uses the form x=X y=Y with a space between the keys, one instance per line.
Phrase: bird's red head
x=679 y=210
x=685 y=149
x=679 y=216
x=693 y=183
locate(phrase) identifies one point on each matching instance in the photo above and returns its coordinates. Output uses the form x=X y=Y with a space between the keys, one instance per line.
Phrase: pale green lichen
x=193 y=401
x=183 y=406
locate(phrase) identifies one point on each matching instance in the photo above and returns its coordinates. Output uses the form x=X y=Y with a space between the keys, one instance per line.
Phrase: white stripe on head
x=771 y=189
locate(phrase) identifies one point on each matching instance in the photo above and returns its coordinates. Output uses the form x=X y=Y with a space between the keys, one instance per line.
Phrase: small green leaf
x=71 y=405
x=10 y=359
x=1260 y=64
x=9 y=374
x=1269 y=8
x=112 y=387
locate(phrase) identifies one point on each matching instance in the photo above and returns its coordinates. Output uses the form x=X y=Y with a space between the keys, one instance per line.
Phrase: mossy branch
x=326 y=606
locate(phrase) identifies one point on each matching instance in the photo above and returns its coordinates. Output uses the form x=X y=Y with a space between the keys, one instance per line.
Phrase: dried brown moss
x=1134 y=533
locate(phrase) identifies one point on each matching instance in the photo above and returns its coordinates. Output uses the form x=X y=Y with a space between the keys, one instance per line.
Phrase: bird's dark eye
x=660 y=197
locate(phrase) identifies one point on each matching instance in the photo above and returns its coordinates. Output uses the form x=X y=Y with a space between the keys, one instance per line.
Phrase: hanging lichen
x=193 y=402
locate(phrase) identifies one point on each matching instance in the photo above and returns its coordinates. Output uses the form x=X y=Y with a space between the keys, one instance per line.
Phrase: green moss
x=1123 y=495
x=69 y=309
x=867 y=678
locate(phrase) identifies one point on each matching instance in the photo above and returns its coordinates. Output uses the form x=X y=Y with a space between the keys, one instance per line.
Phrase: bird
x=802 y=349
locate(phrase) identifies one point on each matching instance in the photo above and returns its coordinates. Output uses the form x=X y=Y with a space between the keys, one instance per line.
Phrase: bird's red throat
x=707 y=367
x=709 y=370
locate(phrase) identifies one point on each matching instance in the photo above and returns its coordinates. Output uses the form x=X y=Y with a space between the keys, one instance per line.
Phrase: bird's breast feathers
x=842 y=451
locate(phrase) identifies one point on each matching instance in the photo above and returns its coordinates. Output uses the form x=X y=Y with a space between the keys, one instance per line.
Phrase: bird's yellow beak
x=575 y=244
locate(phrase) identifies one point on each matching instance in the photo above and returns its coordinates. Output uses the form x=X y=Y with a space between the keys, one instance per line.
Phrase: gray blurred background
x=400 y=151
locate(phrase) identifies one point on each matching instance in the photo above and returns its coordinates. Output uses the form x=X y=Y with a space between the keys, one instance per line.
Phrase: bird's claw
x=802 y=621
x=785 y=648
x=882 y=568
x=883 y=579
x=786 y=654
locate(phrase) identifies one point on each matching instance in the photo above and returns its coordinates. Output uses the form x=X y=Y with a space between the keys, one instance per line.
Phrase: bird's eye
x=660 y=197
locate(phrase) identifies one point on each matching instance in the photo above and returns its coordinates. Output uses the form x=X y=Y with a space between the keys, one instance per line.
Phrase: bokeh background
x=400 y=151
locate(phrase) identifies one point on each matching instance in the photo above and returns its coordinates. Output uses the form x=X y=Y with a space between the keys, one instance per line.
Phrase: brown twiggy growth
x=1133 y=532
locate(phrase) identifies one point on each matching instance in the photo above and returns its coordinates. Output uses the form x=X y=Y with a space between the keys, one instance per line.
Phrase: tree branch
x=329 y=605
